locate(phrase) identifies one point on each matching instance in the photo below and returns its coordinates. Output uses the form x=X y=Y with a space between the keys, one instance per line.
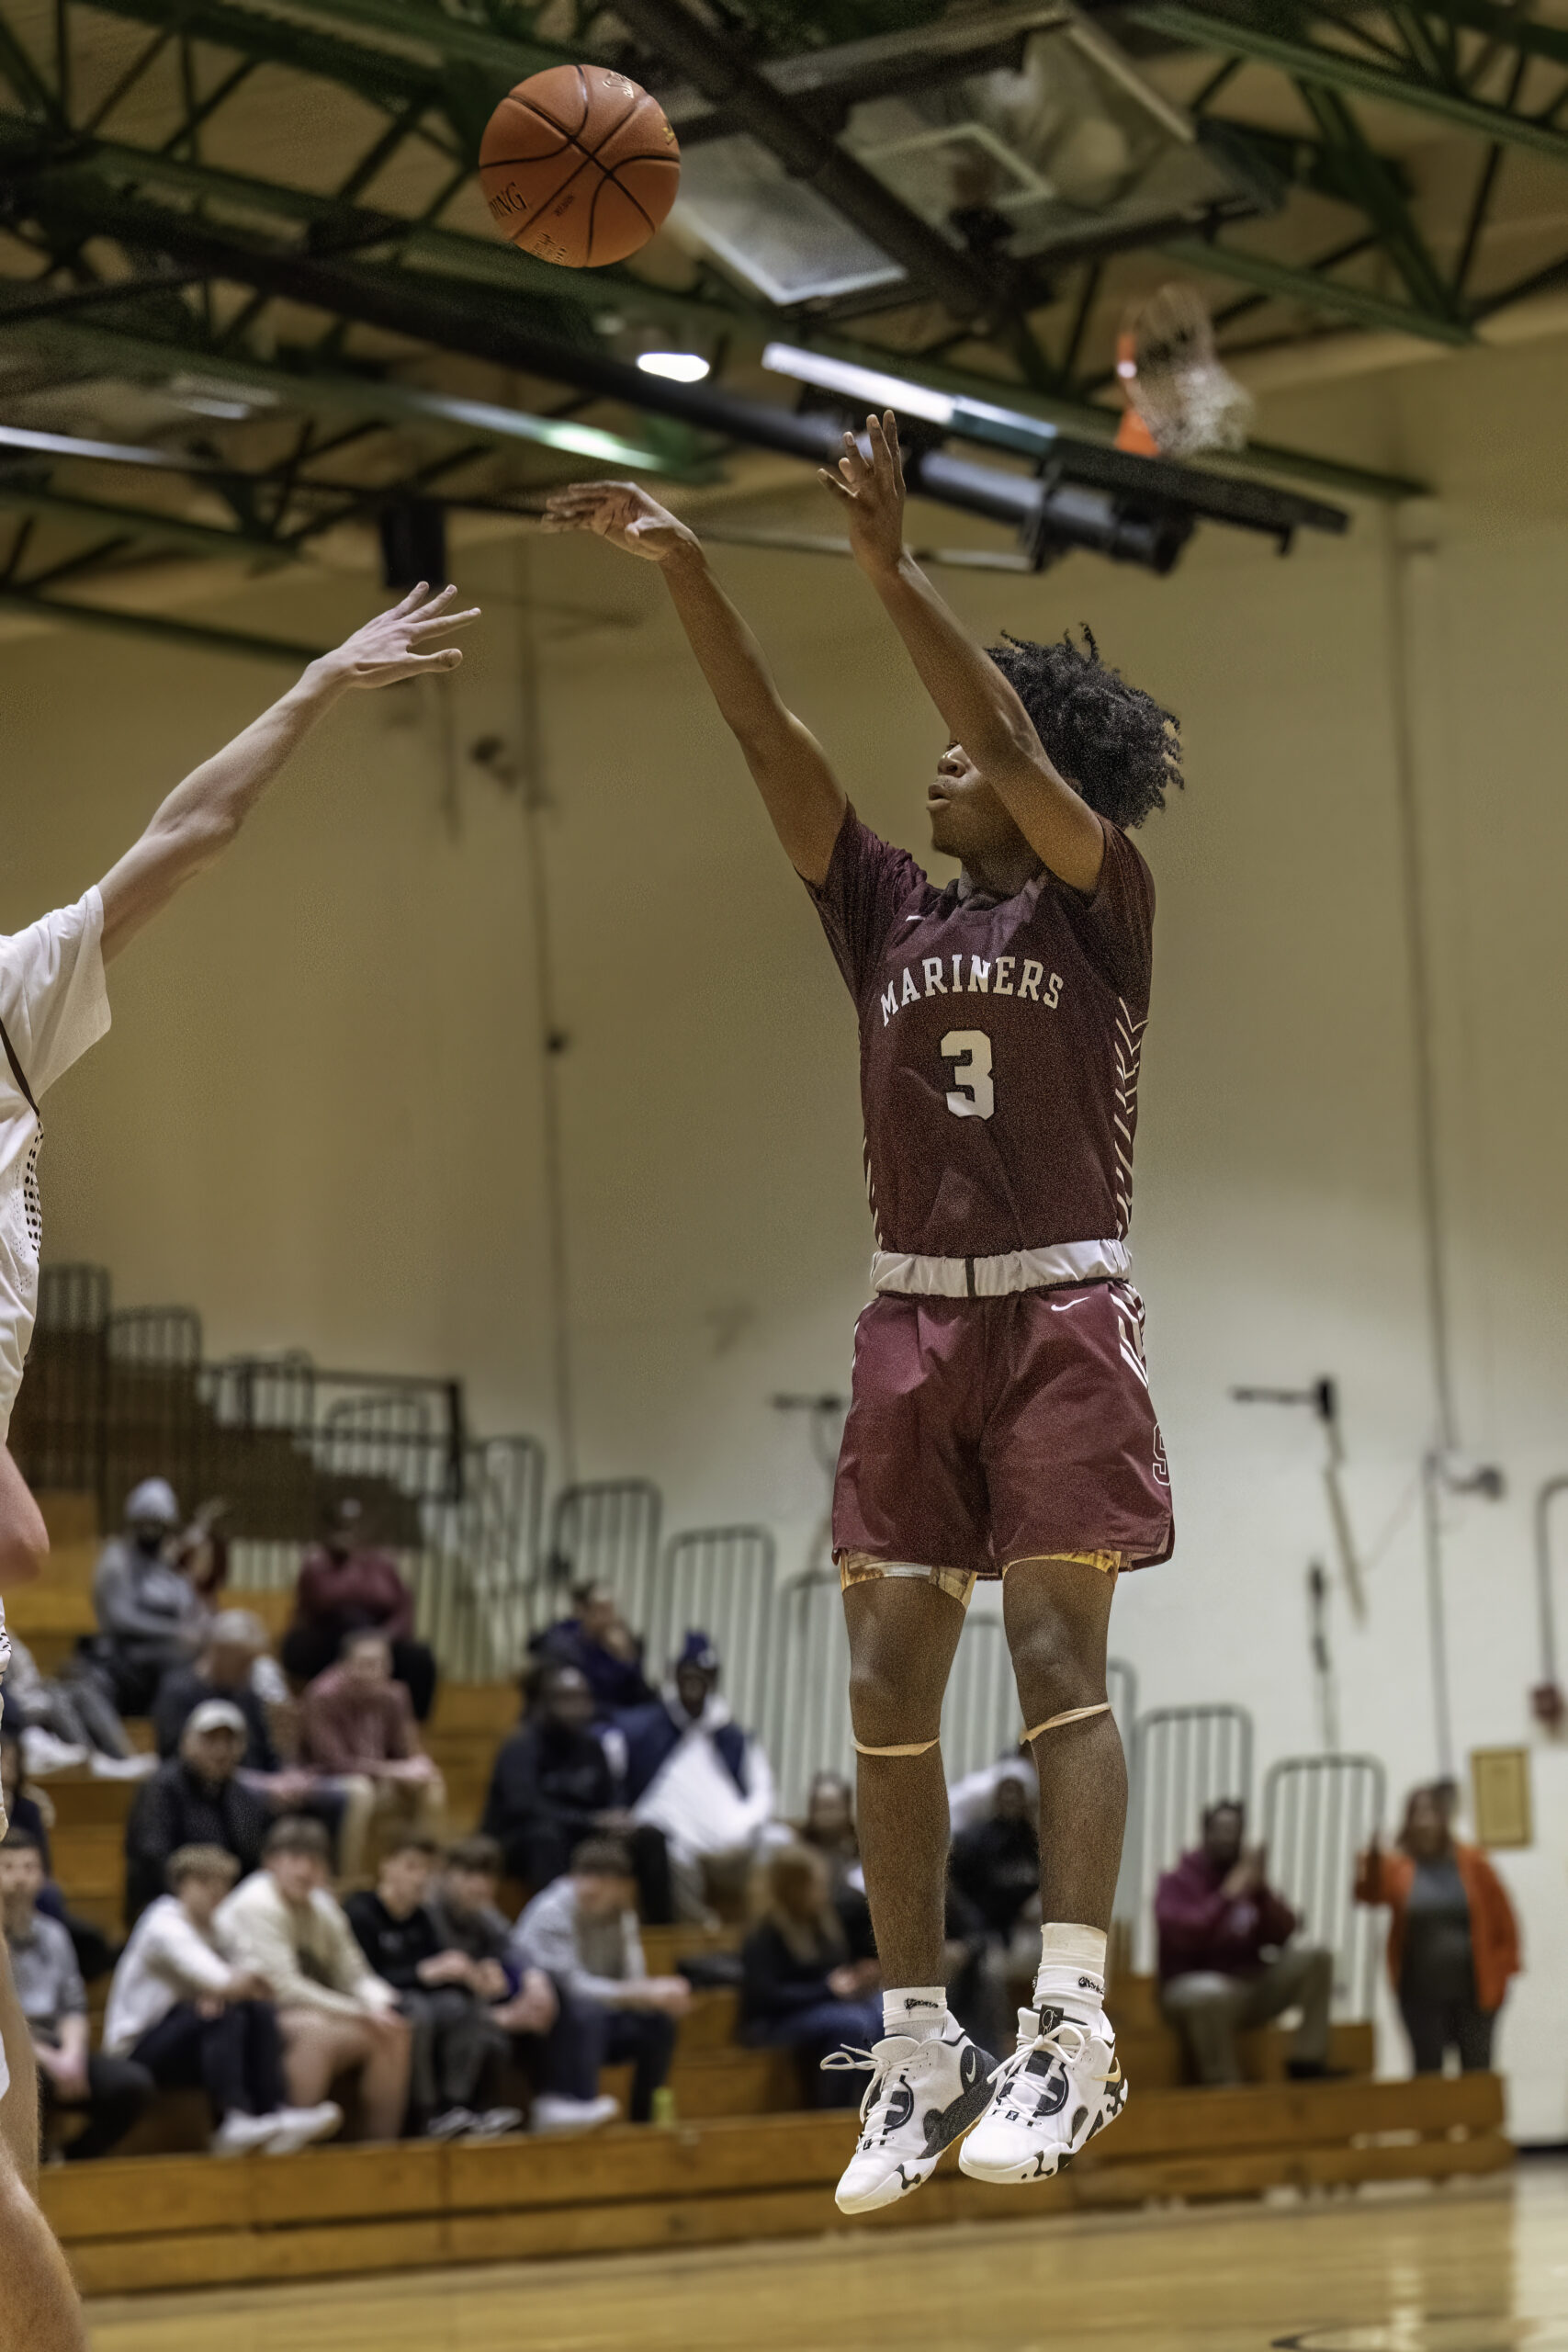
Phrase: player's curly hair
x=1116 y=743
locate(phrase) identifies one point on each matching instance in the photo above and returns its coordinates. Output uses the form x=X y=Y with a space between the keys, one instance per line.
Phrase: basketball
x=579 y=167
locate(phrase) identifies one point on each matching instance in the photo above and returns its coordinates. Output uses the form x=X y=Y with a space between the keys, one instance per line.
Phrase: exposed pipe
x=1548 y=1698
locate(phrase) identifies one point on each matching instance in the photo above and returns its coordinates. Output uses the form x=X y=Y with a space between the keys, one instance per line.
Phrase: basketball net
x=1180 y=400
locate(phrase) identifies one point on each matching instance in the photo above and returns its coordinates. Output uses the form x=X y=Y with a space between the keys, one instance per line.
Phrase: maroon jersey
x=1000 y=1045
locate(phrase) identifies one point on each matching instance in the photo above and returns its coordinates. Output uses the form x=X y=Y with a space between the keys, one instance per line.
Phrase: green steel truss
x=127 y=252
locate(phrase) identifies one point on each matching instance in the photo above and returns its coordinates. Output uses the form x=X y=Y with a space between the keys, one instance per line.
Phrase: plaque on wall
x=1500 y=1793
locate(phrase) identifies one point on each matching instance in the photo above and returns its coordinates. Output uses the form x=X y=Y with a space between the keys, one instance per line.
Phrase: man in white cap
x=195 y=1799
x=149 y=1615
x=53 y=1005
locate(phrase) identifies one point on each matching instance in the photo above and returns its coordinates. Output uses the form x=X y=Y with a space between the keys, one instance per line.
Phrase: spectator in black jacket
x=196 y=1799
x=996 y=1864
x=236 y=1639
x=554 y=1785
x=799 y=1988
x=598 y=1645
x=448 y=1995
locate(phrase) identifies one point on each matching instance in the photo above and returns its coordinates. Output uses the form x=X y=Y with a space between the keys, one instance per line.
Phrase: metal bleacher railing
x=1318 y=1813
x=1183 y=1759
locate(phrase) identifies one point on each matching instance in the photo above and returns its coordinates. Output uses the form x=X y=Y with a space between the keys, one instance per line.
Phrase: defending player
x=1001 y=1423
x=53 y=1005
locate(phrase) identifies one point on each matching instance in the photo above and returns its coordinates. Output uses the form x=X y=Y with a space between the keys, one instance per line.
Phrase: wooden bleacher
x=169 y=2221
x=741 y=2162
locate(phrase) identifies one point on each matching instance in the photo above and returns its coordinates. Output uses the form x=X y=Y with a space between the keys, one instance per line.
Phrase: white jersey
x=53 y=1005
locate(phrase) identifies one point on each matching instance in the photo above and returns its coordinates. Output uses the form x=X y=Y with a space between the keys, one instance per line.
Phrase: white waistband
x=1056 y=1268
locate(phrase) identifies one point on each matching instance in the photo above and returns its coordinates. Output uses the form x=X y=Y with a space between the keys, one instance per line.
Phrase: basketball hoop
x=1180 y=400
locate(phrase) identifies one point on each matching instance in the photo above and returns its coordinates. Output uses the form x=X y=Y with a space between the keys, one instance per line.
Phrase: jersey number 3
x=972 y=1095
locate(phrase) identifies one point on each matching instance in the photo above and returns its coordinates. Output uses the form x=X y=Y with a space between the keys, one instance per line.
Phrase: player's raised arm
x=981 y=709
x=201 y=816
x=802 y=795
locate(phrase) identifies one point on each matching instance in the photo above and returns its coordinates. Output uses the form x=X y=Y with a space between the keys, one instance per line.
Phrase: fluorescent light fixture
x=680 y=366
x=866 y=385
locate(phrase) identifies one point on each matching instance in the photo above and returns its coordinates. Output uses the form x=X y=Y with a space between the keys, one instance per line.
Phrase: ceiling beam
x=174 y=632
x=1317 y=291
x=143 y=523
x=1336 y=69
x=965 y=284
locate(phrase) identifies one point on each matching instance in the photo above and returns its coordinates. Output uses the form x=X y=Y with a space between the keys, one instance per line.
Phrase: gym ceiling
x=250 y=296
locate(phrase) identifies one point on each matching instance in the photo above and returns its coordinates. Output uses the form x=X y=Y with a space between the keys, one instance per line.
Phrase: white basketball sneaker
x=921 y=2095
x=1062 y=2085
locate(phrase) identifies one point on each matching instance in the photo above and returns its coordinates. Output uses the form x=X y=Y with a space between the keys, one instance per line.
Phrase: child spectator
x=357 y=1722
x=582 y=1932
x=446 y=1992
x=180 y=2008
x=110 y=2091
x=336 y=2015
x=799 y=1988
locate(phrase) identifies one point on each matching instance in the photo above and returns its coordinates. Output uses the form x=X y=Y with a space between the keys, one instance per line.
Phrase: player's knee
x=1052 y=1674
x=886 y=1712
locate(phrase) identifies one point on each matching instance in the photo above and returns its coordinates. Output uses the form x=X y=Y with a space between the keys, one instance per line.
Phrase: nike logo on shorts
x=1066 y=1306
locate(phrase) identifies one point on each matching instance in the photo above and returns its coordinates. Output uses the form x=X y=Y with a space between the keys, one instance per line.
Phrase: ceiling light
x=680 y=366
x=865 y=386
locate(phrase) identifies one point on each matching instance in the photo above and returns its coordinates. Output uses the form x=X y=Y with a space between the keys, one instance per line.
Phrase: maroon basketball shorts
x=988 y=1431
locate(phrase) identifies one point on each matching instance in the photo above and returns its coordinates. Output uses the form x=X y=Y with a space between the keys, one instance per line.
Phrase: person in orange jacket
x=1453 y=1941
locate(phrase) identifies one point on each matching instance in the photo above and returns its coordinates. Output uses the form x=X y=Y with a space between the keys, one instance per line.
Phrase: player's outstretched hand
x=872 y=489
x=621 y=513
x=394 y=644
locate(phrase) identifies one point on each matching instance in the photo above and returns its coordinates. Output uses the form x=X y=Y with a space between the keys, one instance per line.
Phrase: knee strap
x=917 y=1747
x=1073 y=1715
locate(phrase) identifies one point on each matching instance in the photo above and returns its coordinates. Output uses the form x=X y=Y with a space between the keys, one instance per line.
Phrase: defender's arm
x=799 y=790
x=981 y=709
x=201 y=816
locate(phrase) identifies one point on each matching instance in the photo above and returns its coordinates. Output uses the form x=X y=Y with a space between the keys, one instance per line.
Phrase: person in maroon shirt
x=345 y=1588
x=357 y=1725
x=1001 y=1423
x=1224 y=1965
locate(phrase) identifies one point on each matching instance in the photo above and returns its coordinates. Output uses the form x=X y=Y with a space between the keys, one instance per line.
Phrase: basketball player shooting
x=53 y=1006
x=1001 y=1423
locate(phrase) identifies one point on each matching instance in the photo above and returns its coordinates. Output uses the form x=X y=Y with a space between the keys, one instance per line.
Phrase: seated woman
x=799 y=1990
x=181 y=2008
x=1453 y=1940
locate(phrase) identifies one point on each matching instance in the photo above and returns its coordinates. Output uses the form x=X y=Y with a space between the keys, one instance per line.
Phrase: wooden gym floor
x=1467 y=2267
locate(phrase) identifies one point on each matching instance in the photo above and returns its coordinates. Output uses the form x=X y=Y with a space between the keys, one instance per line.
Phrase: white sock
x=919 y=2011
x=1072 y=1971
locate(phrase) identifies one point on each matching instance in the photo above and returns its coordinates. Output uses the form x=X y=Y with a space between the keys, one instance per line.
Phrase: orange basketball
x=579 y=166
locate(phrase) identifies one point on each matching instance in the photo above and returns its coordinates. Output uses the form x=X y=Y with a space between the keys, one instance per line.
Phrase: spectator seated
x=597 y=1643
x=70 y=1716
x=227 y=1668
x=149 y=1615
x=582 y=1934
x=345 y=1588
x=447 y=1986
x=800 y=1989
x=694 y=1774
x=195 y=1799
x=1224 y=1964
x=553 y=1785
x=182 y=2010
x=283 y=1924
x=34 y=1813
x=109 y=2092
x=357 y=1723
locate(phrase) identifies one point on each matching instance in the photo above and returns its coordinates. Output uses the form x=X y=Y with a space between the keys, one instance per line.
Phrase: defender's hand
x=394 y=645
x=872 y=491
x=621 y=513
